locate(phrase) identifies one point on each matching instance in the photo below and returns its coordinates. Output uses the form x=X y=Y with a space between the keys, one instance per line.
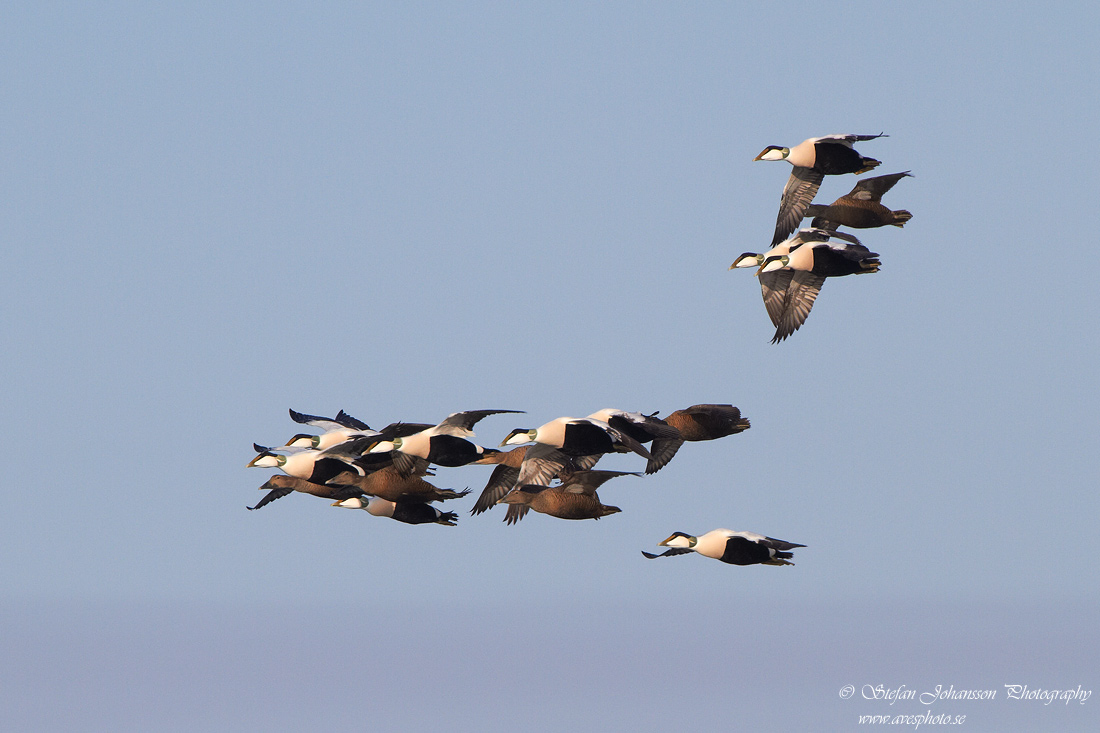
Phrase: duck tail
x=900 y=217
x=868 y=165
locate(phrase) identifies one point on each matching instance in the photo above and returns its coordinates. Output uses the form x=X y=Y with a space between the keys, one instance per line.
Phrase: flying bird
x=444 y=444
x=645 y=428
x=861 y=208
x=281 y=485
x=388 y=483
x=813 y=159
x=735 y=548
x=576 y=437
x=409 y=512
x=707 y=422
x=776 y=283
x=575 y=498
x=809 y=263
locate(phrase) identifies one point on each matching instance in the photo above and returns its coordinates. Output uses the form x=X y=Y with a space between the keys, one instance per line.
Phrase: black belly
x=447 y=450
x=834 y=160
x=740 y=551
x=585 y=439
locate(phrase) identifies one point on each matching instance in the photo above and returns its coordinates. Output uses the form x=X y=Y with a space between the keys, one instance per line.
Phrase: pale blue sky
x=215 y=212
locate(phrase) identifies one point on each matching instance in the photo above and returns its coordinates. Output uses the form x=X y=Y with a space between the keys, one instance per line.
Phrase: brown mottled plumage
x=708 y=422
x=861 y=208
x=388 y=483
x=280 y=485
x=502 y=479
x=575 y=498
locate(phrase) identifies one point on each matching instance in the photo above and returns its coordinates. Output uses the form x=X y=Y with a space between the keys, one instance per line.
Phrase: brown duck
x=575 y=498
x=861 y=208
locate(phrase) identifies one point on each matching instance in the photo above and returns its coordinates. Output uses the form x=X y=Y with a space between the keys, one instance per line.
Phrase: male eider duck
x=335 y=430
x=861 y=208
x=577 y=437
x=645 y=428
x=575 y=498
x=735 y=548
x=345 y=428
x=317 y=466
x=444 y=444
x=409 y=512
x=774 y=283
x=809 y=264
x=813 y=159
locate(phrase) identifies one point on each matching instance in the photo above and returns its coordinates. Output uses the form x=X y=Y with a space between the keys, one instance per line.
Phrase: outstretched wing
x=801 y=294
x=669 y=552
x=797 y=195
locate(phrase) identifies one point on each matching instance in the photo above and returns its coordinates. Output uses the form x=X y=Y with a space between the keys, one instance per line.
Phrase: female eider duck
x=735 y=548
x=409 y=512
x=445 y=444
x=813 y=159
x=861 y=208
x=575 y=498
x=388 y=483
x=281 y=485
x=503 y=478
x=708 y=422
x=809 y=264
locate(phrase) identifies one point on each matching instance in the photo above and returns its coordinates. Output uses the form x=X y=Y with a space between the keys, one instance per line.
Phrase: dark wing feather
x=801 y=295
x=350 y=422
x=516 y=512
x=797 y=195
x=500 y=483
x=663 y=450
x=780 y=544
x=669 y=552
x=467 y=420
x=271 y=496
x=773 y=286
x=586 y=482
x=872 y=189
x=541 y=464
x=408 y=465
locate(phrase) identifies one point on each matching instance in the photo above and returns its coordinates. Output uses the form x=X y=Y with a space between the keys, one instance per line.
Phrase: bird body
x=341 y=428
x=389 y=483
x=575 y=498
x=577 y=437
x=313 y=465
x=708 y=422
x=861 y=208
x=813 y=159
x=666 y=440
x=444 y=444
x=409 y=512
x=735 y=548
x=790 y=283
x=281 y=485
x=557 y=503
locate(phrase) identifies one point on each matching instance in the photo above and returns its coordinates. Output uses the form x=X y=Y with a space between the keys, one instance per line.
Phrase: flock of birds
x=550 y=469
x=792 y=272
